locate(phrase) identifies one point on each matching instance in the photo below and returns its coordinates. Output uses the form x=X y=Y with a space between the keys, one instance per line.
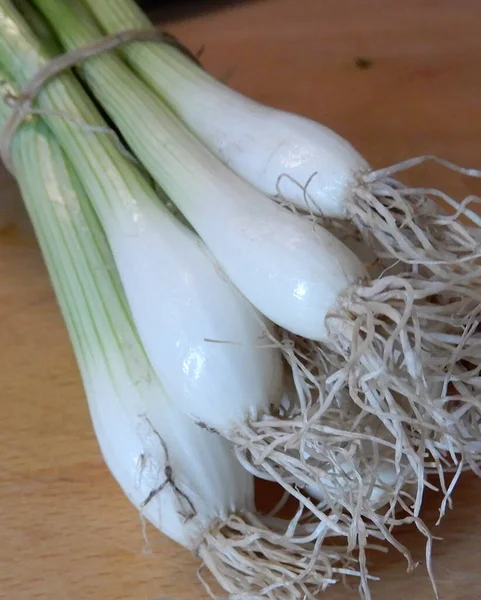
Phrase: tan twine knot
x=22 y=103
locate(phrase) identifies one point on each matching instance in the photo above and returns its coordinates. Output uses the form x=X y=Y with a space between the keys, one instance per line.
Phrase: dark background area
x=180 y=9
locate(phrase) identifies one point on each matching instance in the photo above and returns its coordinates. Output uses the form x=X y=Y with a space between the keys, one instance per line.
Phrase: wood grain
x=66 y=531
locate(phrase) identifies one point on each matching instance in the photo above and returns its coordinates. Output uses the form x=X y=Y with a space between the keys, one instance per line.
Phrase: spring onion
x=297 y=160
x=305 y=164
x=377 y=364
x=390 y=335
x=128 y=210
x=258 y=242
x=182 y=478
x=103 y=169
x=203 y=339
x=390 y=332
x=295 y=550
x=137 y=425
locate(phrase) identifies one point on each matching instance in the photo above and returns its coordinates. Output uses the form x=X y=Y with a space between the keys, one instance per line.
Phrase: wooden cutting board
x=66 y=531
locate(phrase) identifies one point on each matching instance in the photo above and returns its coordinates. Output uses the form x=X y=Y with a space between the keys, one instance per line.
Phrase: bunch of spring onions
x=182 y=478
x=245 y=336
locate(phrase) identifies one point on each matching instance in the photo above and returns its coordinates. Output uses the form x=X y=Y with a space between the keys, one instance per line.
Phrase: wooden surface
x=66 y=531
